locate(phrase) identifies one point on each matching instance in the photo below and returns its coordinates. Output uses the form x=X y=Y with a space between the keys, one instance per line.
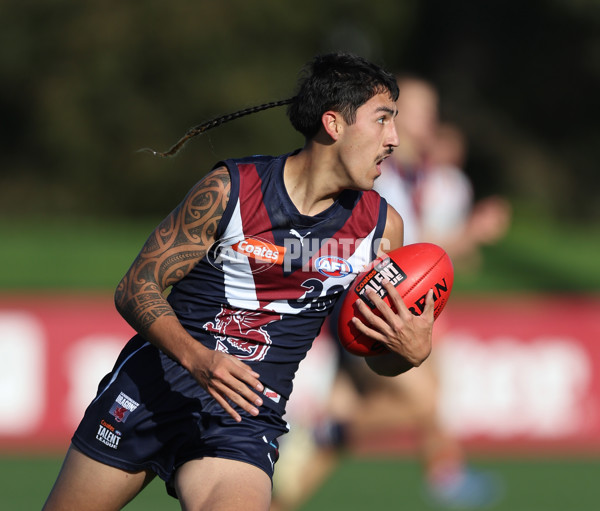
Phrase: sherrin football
x=413 y=270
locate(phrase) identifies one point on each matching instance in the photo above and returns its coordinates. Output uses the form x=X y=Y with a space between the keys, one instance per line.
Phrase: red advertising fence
x=517 y=372
x=53 y=351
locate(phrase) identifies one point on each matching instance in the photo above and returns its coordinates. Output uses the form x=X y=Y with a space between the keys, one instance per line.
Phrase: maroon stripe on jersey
x=257 y=224
x=255 y=218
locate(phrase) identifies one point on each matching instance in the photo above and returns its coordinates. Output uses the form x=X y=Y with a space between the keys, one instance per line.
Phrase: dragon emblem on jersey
x=241 y=332
x=119 y=413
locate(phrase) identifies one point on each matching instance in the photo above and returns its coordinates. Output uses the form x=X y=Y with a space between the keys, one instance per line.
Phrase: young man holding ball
x=197 y=396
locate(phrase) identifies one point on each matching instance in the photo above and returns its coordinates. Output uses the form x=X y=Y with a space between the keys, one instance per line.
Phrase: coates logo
x=260 y=250
x=230 y=251
x=333 y=266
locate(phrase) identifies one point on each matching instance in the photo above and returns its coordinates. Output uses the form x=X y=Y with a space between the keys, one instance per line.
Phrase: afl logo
x=333 y=266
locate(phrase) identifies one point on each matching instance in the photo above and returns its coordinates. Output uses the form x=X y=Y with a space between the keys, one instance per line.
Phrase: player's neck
x=306 y=180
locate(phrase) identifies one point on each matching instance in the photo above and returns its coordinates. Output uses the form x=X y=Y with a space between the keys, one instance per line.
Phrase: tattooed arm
x=171 y=251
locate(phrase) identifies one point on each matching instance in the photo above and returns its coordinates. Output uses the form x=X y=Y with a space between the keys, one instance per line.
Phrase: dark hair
x=337 y=81
x=208 y=125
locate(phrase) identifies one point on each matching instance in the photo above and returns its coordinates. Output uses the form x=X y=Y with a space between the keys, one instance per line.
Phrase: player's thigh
x=216 y=484
x=84 y=484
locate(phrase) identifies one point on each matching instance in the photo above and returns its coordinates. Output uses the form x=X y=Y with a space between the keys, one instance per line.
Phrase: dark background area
x=84 y=85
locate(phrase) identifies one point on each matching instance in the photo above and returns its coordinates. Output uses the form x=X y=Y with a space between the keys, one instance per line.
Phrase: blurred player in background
x=424 y=180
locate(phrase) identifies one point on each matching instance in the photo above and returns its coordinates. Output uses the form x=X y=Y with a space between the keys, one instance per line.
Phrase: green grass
x=529 y=485
x=358 y=484
x=537 y=255
x=27 y=480
x=63 y=254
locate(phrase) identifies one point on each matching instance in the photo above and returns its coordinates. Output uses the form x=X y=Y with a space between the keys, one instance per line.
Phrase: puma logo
x=295 y=233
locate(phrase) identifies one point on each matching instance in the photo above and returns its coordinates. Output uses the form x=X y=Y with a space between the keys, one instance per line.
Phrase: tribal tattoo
x=172 y=250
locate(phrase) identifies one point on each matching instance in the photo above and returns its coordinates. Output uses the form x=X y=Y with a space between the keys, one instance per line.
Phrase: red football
x=413 y=270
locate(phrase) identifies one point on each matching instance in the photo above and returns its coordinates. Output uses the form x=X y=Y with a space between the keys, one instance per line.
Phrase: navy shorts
x=150 y=413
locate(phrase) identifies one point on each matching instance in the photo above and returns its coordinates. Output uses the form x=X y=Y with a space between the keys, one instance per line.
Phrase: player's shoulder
x=255 y=159
x=251 y=166
x=218 y=174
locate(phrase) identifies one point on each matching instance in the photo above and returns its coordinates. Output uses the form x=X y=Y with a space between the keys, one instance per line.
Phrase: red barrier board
x=54 y=350
x=518 y=372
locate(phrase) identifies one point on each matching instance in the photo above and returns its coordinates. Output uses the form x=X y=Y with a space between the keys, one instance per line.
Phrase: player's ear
x=331 y=124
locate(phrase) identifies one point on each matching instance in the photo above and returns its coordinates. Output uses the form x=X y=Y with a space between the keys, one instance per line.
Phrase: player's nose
x=393 y=140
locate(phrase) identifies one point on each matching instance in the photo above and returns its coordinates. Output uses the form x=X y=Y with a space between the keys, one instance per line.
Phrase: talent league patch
x=122 y=407
x=108 y=435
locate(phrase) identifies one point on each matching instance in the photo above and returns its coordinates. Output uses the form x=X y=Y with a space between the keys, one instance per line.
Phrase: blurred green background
x=84 y=85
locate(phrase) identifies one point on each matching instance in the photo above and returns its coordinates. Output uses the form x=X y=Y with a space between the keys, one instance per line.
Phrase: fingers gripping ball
x=413 y=270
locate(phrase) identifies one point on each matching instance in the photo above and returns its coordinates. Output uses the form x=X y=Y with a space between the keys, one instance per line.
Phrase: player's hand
x=230 y=381
x=396 y=327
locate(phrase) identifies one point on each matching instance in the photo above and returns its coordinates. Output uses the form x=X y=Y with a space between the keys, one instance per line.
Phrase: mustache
x=387 y=153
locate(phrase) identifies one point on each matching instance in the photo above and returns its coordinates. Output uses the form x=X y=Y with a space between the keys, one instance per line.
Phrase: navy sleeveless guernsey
x=261 y=294
x=264 y=290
